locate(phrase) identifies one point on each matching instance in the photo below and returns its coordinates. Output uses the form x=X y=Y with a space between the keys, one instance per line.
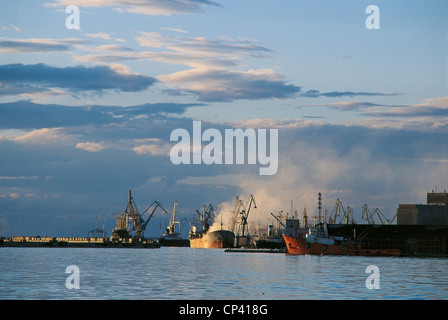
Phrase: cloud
x=222 y=85
x=338 y=94
x=348 y=105
x=13 y=195
x=427 y=115
x=38 y=45
x=434 y=107
x=203 y=47
x=154 y=149
x=11 y=27
x=175 y=30
x=113 y=48
x=358 y=164
x=214 y=74
x=147 y=7
x=90 y=146
x=20 y=78
x=45 y=136
x=355 y=164
x=30 y=115
x=195 y=52
x=100 y=35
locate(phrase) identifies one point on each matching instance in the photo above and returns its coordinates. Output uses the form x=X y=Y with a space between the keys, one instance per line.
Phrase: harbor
x=420 y=230
x=238 y=151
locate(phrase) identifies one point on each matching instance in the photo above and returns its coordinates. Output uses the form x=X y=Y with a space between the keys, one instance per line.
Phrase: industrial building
x=433 y=213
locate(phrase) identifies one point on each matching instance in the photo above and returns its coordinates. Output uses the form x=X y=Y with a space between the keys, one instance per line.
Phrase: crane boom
x=278 y=220
x=158 y=204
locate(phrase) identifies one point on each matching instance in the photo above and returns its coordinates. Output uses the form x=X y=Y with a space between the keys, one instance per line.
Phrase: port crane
x=245 y=214
x=366 y=214
x=171 y=229
x=281 y=223
x=338 y=210
x=238 y=204
x=138 y=222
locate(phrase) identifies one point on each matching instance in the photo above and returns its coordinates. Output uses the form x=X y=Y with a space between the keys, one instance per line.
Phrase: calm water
x=187 y=273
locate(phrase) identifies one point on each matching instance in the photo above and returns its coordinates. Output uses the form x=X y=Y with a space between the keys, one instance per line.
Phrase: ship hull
x=168 y=242
x=215 y=239
x=297 y=246
x=273 y=243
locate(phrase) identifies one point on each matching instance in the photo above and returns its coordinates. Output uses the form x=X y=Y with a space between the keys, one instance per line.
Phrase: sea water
x=213 y=274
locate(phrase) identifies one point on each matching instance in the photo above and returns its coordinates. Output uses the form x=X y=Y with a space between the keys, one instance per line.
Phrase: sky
x=86 y=113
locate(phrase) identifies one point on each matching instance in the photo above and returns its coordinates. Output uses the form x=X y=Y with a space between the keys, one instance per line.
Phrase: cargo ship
x=213 y=239
x=420 y=230
x=318 y=241
x=202 y=237
x=173 y=238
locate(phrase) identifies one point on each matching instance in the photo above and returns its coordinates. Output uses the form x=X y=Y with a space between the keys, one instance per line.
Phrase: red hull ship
x=301 y=246
x=317 y=241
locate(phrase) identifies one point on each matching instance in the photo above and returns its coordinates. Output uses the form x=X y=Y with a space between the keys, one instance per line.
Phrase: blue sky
x=86 y=114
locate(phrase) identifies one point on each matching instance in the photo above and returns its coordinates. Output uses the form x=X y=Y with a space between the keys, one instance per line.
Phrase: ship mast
x=319 y=203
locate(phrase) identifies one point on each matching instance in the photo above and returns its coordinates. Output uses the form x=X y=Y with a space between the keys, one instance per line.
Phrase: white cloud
x=100 y=35
x=45 y=136
x=147 y=7
x=222 y=85
x=191 y=51
x=153 y=149
x=90 y=146
x=214 y=64
x=11 y=27
x=175 y=30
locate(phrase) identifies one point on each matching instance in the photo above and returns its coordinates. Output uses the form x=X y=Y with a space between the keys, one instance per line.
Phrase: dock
x=77 y=242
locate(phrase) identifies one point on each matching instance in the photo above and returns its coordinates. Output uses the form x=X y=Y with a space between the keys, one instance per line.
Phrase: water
x=193 y=274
